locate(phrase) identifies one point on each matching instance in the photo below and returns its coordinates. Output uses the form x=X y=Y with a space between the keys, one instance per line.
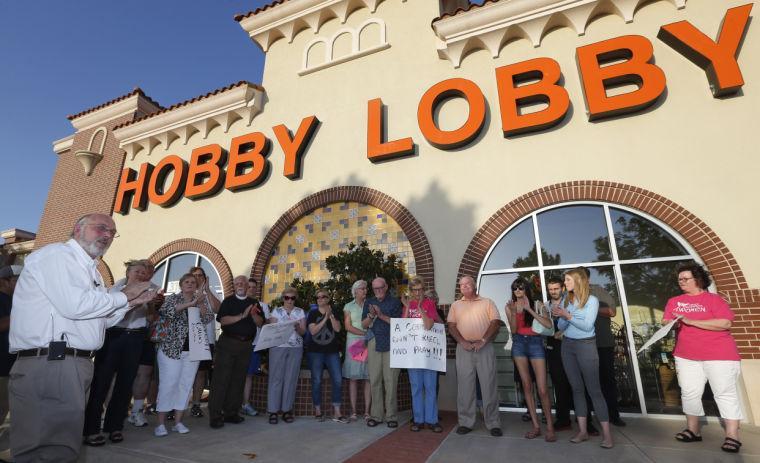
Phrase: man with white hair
x=61 y=309
x=474 y=323
x=239 y=321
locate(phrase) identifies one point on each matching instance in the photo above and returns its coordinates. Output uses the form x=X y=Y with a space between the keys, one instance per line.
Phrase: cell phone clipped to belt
x=57 y=350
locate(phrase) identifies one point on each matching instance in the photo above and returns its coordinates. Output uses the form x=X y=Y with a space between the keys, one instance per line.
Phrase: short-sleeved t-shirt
x=234 y=306
x=391 y=307
x=695 y=343
x=472 y=317
x=428 y=306
x=325 y=341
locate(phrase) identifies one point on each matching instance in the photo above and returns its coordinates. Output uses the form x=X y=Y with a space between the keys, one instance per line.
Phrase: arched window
x=301 y=251
x=632 y=258
x=171 y=269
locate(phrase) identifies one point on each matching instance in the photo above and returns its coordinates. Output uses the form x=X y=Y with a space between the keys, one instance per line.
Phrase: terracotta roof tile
x=472 y=6
x=136 y=91
x=242 y=16
x=190 y=101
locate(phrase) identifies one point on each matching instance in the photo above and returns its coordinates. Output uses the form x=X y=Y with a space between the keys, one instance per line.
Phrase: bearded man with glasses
x=61 y=309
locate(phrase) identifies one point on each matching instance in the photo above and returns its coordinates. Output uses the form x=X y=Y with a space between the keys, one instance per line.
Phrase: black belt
x=118 y=329
x=239 y=337
x=43 y=351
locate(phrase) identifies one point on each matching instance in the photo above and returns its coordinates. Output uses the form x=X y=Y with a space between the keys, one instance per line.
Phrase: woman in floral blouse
x=176 y=371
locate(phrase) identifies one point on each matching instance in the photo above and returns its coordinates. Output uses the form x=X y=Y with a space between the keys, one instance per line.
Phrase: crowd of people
x=149 y=348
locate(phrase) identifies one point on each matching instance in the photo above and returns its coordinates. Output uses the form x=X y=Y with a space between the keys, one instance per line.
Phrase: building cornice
x=286 y=19
x=220 y=108
x=63 y=145
x=134 y=104
x=491 y=25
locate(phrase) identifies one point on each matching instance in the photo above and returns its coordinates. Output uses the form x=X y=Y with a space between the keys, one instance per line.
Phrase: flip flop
x=688 y=436
x=730 y=445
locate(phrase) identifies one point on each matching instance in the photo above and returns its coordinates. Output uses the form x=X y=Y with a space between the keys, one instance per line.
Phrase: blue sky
x=61 y=57
x=58 y=58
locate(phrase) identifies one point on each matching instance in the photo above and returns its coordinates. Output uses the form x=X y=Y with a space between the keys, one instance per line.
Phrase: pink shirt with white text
x=696 y=343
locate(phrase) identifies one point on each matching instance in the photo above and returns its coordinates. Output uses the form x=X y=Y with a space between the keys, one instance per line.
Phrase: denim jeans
x=317 y=361
x=424 y=398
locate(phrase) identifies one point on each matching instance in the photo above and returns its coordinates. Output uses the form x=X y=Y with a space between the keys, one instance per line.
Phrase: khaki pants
x=482 y=364
x=382 y=377
x=47 y=399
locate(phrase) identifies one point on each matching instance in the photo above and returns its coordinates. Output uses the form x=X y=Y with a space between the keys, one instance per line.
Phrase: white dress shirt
x=60 y=292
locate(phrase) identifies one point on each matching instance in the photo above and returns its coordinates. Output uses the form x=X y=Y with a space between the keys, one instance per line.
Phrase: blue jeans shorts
x=531 y=347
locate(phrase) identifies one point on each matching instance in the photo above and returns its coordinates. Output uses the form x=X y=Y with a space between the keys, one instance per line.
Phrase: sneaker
x=137 y=419
x=160 y=431
x=249 y=410
x=180 y=428
x=196 y=411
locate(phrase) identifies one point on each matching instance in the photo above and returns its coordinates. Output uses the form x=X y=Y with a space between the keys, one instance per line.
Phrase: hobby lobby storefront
x=513 y=138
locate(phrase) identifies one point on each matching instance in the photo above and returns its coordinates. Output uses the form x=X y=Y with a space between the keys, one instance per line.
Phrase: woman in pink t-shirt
x=423 y=381
x=705 y=351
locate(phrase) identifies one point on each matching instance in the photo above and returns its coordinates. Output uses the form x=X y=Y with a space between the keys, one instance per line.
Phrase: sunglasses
x=288 y=298
x=519 y=288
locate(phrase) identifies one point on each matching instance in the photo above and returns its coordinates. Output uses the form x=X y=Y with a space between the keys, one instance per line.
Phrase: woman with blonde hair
x=423 y=380
x=176 y=372
x=285 y=359
x=579 y=355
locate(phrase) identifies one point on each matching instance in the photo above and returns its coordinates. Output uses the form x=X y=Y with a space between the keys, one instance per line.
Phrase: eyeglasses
x=102 y=229
x=323 y=297
x=288 y=298
x=378 y=287
x=684 y=280
x=416 y=289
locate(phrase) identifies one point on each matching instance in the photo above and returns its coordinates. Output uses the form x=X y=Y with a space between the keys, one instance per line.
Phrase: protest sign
x=274 y=334
x=412 y=346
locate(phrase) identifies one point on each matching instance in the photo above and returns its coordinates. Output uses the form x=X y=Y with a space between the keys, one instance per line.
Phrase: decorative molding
x=356 y=46
x=135 y=104
x=63 y=145
x=491 y=25
x=285 y=20
x=242 y=101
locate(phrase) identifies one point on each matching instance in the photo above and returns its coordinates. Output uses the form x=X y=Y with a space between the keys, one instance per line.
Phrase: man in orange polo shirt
x=474 y=322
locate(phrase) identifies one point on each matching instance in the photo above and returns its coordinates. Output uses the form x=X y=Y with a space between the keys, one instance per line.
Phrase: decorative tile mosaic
x=306 y=246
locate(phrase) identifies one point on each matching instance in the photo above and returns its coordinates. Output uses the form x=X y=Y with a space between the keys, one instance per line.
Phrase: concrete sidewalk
x=306 y=440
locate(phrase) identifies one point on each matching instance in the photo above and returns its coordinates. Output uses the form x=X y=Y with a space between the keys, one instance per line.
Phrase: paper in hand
x=661 y=333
